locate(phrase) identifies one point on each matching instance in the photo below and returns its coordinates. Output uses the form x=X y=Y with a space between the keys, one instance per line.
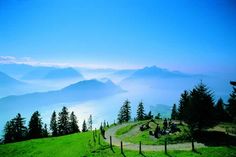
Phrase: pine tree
x=200 y=112
x=231 y=107
x=158 y=116
x=90 y=123
x=35 y=126
x=53 y=124
x=174 y=113
x=149 y=115
x=19 y=127
x=15 y=130
x=140 y=111
x=63 y=122
x=220 y=113
x=45 y=131
x=125 y=113
x=84 y=127
x=120 y=115
x=9 y=132
x=183 y=105
x=73 y=123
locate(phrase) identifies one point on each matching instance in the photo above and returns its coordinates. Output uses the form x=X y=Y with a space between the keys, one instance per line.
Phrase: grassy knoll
x=81 y=145
x=225 y=127
x=127 y=128
x=144 y=136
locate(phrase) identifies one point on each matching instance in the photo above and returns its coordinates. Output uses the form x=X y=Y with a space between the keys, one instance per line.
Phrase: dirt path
x=131 y=146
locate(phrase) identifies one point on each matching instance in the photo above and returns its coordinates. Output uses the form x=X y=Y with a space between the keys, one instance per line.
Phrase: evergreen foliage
x=140 y=111
x=174 y=113
x=45 y=131
x=125 y=113
x=84 y=127
x=200 y=110
x=231 y=107
x=73 y=123
x=53 y=124
x=220 y=113
x=63 y=122
x=35 y=126
x=9 y=132
x=15 y=129
x=90 y=123
x=20 y=128
x=158 y=116
x=183 y=104
x=148 y=116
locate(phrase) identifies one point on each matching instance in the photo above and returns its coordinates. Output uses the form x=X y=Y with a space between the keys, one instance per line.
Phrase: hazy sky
x=182 y=35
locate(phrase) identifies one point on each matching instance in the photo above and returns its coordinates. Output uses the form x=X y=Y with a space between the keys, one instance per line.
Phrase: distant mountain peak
x=62 y=73
x=7 y=80
x=153 y=72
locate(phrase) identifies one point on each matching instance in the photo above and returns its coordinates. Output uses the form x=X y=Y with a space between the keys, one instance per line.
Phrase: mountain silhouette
x=80 y=91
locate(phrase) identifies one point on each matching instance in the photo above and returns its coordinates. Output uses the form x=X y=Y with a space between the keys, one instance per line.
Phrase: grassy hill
x=82 y=145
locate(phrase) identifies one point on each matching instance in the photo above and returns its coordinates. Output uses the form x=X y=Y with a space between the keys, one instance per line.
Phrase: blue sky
x=193 y=36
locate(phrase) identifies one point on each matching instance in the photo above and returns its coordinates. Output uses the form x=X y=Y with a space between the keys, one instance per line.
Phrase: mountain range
x=154 y=73
x=45 y=73
x=80 y=91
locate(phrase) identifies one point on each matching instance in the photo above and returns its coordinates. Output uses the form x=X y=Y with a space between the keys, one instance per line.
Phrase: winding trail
x=131 y=146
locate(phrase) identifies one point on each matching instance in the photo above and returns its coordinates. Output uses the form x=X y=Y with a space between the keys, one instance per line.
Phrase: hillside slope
x=82 y=145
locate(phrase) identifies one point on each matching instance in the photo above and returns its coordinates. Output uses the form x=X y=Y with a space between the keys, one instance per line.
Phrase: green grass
x=82 y=145
x=144 y=136
x=126 y=129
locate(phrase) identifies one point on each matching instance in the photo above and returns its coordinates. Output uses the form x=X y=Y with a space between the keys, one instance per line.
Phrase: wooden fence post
x=165 y=147
x=140 y=147
x=121 y=147
x=111 y=143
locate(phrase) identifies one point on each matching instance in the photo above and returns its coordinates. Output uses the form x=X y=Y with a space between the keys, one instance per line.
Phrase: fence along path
x=131 y=146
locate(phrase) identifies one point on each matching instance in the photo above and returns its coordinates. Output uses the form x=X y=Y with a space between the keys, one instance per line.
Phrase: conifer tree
x=21 y=130
x=149 y=115
x=45 y=131
x=35 y=126
x=125 y=113
x=53 y=124
x=140 y=111
x=73 y=123
x=104 y=124
x=15 y=129
x=231 y=107
x=90 y=123
x=63 y=122
x=200 y=112
x=84 y=127
x=183 y=105
x=220 y=113
x=174 y=113
x=9 y=132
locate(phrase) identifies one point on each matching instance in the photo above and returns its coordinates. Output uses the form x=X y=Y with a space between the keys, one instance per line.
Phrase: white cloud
x=31 y=61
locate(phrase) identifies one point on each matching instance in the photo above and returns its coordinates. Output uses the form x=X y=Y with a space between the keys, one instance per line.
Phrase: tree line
x=61 y=124
x=197 y=108
x=124 y=114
